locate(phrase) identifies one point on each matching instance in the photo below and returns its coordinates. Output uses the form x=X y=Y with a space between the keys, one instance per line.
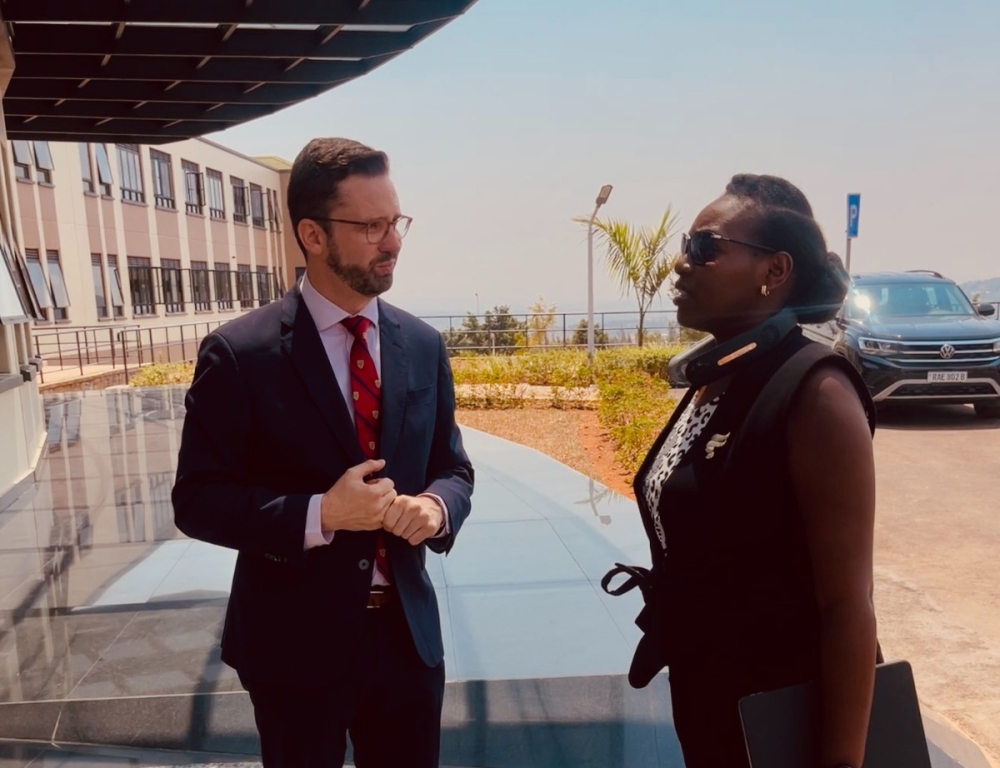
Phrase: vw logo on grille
x=947 y=352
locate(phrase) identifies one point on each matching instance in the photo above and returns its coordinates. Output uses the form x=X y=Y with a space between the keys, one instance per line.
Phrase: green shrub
x=560 y=367
x=495 y=397
x=159 y=374
x=634 y=407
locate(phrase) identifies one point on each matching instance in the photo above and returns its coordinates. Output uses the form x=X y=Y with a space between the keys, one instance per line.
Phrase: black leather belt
x=379 y=598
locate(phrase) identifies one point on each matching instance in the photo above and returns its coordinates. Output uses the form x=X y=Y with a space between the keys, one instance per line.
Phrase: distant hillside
x=988 y=290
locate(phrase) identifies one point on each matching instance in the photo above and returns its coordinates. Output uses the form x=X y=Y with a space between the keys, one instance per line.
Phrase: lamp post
x=602 y=198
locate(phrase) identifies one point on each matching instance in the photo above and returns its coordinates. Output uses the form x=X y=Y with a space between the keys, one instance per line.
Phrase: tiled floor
x=110 y=619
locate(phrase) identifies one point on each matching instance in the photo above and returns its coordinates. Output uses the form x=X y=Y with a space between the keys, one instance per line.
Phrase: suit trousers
x=386 y=699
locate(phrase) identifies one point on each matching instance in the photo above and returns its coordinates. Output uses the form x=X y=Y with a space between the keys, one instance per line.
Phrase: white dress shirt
x=337 y=342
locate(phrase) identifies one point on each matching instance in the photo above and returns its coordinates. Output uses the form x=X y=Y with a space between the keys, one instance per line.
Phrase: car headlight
x=996 y=346
x=878 y=347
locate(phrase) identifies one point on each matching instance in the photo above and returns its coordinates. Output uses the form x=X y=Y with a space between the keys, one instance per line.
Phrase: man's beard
x=362 y=280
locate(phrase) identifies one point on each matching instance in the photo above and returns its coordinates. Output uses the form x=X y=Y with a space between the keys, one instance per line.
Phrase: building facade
x=147 y=236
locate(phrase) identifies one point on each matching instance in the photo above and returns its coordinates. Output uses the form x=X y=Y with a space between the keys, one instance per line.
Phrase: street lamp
x=602 y=198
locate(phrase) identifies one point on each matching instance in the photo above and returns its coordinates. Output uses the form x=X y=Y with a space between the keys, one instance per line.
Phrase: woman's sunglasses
x=703 y=246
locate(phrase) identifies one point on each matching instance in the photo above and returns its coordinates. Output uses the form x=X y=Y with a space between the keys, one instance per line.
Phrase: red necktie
x=366 y=390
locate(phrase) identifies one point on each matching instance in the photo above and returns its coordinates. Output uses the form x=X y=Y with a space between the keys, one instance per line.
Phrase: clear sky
x=503 y=126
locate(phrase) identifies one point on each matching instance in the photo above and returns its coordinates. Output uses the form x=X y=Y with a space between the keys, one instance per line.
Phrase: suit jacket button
x=364 y=565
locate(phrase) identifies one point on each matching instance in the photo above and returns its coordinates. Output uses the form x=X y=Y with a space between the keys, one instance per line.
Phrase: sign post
x=853 y=214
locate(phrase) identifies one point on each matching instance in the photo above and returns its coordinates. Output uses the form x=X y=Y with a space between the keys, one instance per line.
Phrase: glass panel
x=140 y=277
x=223 y=288
x=43 y=158
x=38 y=282
x=194 y=195
x=86 y=171
x=244 y=286
x=131 y=172
x=10 y=301
x=19 y=274
x=239 y=200
x=216 y=200
x=163 y=187
x=22 y=152
x=104 y=166
x=115 y=280
x=100 y=297
x=59 y=291
x=173 y=292
x=257 y=205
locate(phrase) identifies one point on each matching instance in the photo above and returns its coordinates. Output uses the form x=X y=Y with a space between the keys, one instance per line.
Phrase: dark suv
x=916 y=337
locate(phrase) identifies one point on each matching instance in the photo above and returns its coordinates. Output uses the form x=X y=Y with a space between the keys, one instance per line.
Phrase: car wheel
x=989 y=409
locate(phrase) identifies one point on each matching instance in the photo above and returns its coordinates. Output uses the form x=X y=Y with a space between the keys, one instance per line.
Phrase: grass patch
x=564 y=368
x=159 y=374
x=634 y=407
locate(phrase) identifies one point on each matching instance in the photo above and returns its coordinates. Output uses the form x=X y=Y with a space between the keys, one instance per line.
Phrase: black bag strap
x=637 y=577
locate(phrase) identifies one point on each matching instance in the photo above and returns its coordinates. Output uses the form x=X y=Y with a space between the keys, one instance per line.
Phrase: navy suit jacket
x=266 y=428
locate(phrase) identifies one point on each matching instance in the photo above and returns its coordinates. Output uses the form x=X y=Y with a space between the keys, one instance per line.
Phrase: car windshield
x=908 y=300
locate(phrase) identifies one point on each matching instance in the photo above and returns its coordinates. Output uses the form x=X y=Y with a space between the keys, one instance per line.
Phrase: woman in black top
x=759 y=496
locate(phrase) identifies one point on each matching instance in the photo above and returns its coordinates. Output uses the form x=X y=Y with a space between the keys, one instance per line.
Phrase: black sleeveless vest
x=735 y=584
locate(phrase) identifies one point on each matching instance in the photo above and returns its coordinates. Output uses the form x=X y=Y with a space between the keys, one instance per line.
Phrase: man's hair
x=781 y=218
x=314 y=183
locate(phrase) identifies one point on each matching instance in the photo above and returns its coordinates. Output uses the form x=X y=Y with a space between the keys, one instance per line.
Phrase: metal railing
x=78 y=348
x=131 y=346
x=175 y=287
x=163 y=344
x=504 y=333
x=119 y=347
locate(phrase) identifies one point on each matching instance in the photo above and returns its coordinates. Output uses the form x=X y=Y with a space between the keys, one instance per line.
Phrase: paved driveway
x=938 y=560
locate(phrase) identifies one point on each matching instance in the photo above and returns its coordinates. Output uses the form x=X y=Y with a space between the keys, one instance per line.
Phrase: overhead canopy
x=155 y=71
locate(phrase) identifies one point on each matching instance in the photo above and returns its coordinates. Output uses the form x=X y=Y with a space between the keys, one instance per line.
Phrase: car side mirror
x=986 y=310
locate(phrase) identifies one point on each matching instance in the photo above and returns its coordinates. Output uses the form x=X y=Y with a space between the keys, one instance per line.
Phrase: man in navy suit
x=320 y=442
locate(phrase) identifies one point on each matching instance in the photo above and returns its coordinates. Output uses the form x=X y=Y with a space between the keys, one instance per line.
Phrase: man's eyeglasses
x=376 y=230
x=702 y=247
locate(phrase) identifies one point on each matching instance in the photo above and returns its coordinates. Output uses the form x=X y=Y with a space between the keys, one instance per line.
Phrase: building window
x=257 y=205
x=163 y=181
x=216 y=199
x=272 y=210
x=22 y=160
x=223 y=288
x=244 y=286
x=194 y=188
x=43 y=162
x=173 y=290
x=200 y=292
x=36 y=273
x=100 y=297
x=60 y=296
x=86 y=168
x=264 y=286
x=131 y=172
x=239 y=201
x=115 y=281
x=19 y=290
x=140 y=278
x=104 y=170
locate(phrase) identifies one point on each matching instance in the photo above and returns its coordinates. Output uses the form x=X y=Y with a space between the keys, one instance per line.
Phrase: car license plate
x=948 y=376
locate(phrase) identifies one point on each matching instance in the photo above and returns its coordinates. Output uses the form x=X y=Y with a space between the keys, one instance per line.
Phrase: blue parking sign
x=853 y=213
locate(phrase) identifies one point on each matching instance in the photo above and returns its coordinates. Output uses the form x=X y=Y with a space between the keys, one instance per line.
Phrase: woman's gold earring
x=765 y=291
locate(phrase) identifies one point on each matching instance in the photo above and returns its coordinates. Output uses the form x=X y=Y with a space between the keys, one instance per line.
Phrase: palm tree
x=637 y=257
